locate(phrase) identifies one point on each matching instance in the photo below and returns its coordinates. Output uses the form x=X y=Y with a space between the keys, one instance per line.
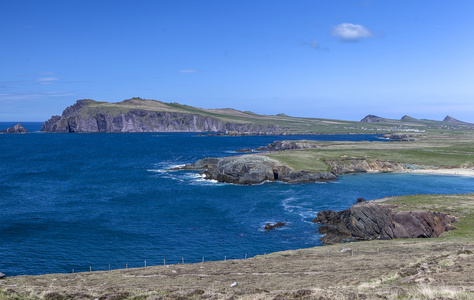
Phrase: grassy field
x=429 y=150
x=438 y=268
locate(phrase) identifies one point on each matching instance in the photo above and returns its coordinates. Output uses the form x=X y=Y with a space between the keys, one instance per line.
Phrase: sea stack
x=18 y=128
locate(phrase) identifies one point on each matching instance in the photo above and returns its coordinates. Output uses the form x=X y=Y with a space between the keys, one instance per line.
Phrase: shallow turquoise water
x=70 y=201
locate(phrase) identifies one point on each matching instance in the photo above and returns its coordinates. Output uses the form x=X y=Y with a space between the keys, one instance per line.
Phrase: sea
x=80 y=202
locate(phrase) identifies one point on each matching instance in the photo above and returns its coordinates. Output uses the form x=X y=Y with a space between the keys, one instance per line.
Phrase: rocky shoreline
x=365 y=221
x=252 y=169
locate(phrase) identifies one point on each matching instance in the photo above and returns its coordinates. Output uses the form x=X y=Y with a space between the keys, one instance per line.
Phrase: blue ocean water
x=74 y=201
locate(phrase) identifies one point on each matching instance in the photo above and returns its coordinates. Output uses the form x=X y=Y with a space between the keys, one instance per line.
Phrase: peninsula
x=142 y=115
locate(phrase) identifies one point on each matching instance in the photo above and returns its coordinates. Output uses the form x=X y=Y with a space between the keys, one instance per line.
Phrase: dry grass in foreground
x=441 y=268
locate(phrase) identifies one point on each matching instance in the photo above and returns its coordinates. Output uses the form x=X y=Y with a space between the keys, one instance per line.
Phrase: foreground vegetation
x=439 y=268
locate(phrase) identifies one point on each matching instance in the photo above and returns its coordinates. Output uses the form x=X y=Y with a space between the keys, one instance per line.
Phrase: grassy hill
x=290 y=125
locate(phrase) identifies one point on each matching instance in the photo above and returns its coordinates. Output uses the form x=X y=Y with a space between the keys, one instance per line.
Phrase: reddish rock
x=369 y=221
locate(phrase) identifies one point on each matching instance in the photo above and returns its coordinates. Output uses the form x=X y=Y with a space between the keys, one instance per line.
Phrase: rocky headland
x=253 y=169
x=18 y=128
x=139 y=115
x=375 y=221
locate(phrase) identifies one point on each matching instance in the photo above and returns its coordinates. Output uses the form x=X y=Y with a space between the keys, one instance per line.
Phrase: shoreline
x=455 y=172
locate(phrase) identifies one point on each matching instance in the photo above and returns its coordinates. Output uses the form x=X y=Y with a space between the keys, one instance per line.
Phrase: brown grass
x=403 y=268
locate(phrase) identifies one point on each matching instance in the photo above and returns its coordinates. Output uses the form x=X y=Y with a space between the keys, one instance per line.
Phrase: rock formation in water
x=270 y=226
x=369 y=221
x=138 y=115
x=2 y=275
x=15 y=129
x=253 y=169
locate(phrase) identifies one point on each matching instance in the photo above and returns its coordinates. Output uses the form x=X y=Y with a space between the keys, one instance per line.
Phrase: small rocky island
x=18 y=128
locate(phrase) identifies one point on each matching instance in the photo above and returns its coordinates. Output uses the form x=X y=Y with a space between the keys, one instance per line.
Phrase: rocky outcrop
x=449 y=119
x=288 y=145
x=253 y=169
x=402 y=137
x=270 y=226
x=2 y=275
x=361 y=165
x=406 y=118
x=369 y=221
x=373 y=119
x=15 y=129
x=90 y=116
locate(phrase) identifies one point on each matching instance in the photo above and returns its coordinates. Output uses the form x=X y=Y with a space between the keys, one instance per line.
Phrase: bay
x=74 y=201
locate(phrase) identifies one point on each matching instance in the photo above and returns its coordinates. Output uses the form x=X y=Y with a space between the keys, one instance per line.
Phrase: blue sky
x=325 y=59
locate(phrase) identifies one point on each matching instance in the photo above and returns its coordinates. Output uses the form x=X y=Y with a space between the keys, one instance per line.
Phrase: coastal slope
x=436 y=268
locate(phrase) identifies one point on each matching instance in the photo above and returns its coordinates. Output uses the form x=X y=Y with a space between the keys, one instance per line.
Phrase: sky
x=323 y=59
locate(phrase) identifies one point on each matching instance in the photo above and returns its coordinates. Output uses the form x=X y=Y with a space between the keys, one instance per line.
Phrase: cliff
x=15 y=129
x=361 y=165
x=253 y=169
x=138 y=115
x=369 y=221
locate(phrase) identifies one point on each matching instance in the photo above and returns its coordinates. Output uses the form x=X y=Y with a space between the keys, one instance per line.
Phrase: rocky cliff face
x=369 y=221
x=85 y=117
x=253 y=169
x=360 y=165
x=15 y=129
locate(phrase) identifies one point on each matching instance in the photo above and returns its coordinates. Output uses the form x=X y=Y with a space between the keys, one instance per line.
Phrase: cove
x=74 y=201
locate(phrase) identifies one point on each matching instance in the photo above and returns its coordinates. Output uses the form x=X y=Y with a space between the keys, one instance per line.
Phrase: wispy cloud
x=349 y=32
x=47 y=80
x=13 y=97
x=187 y=71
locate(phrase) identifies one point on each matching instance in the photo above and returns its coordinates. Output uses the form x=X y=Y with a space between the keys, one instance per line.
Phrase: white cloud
x=351 y=32
x=187 y=71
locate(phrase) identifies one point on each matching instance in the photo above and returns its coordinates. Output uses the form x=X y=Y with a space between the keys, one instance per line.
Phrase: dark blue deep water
x=70 y=201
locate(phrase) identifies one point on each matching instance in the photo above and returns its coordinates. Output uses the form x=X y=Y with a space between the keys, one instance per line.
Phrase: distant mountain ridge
x=406 y=118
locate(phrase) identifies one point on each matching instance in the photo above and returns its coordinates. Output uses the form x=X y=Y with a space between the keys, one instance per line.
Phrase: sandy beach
x=458 y=171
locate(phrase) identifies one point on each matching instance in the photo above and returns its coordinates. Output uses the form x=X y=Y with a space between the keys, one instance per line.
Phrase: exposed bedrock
x=361 y=165
x=253 y=169
x=402 y=137
x=18 y=128
x=84 y=117
x=288 y=145
x=369 y=221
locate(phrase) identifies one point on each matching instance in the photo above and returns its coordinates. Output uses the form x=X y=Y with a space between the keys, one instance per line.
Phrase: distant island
x=142 y=115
